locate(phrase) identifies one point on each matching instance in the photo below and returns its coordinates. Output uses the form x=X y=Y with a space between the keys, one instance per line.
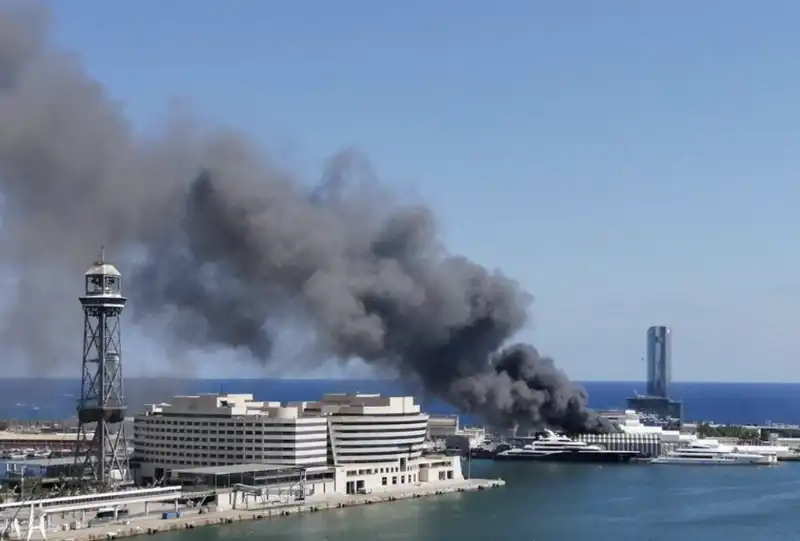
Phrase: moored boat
x=551 y=447
x=715 y=457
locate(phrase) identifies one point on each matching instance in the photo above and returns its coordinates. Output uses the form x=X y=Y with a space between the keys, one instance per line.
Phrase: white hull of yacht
x=730 y=459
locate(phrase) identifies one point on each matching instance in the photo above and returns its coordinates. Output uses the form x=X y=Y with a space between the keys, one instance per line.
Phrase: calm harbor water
x=562 y=502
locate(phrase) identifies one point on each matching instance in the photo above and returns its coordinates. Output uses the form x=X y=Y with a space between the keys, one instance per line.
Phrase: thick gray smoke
x=228 y=249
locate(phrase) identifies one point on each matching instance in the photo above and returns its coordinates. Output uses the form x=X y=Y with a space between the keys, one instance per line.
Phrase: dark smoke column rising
x=242 y=250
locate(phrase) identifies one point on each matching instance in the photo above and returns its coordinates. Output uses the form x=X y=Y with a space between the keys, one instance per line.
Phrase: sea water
x=720 y=402
x=563 y=502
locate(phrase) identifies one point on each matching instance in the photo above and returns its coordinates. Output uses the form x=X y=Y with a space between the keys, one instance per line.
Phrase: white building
x=467 y=438
x=441 y=426
x=366 y=429
x=369 y=440
x=630 y=423
x=226 y=429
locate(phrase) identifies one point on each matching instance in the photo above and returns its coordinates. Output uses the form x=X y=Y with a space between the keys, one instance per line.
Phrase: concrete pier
x=194 y=518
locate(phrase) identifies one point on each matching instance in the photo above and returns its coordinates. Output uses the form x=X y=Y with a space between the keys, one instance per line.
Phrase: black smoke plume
x=228 y=249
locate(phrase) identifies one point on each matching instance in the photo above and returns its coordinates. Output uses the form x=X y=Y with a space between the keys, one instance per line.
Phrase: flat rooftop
x=33 y=437
x=59 y=461
x=237 y=468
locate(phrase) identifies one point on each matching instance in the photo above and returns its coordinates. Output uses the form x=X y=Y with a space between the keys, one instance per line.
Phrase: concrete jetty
x=195 y=518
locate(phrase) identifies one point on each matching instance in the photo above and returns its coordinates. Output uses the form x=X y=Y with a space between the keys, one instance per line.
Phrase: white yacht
x=630 y=423
x=551 y=447
x=781 y=451
x=706 y=456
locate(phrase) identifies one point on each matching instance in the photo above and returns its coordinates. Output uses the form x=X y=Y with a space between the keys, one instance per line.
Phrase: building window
x=394 y=480
x=384 y=481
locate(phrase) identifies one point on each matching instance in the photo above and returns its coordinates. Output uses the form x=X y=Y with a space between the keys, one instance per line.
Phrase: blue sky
x=631 y=163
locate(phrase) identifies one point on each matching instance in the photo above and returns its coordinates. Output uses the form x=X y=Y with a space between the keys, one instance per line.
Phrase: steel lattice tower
x=102 y=458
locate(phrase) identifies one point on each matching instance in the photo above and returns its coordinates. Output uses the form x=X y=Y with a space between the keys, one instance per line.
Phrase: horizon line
x=387 y=380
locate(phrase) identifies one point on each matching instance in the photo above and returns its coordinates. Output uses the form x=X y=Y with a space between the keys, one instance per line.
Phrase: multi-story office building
x=226 y=429
x=366 y=429
x=659 y=361
x=374 y=440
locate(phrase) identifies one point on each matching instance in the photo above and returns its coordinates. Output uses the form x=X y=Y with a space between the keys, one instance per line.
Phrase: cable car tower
x=102 y=458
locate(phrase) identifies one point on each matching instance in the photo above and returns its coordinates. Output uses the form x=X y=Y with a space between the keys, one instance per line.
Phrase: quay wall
x=258 y=511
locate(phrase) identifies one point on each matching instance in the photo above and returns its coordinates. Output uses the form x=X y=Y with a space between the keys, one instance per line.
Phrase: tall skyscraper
x=659 y=361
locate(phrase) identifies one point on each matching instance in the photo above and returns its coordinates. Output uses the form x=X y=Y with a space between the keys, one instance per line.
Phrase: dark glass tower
x=659 y=361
